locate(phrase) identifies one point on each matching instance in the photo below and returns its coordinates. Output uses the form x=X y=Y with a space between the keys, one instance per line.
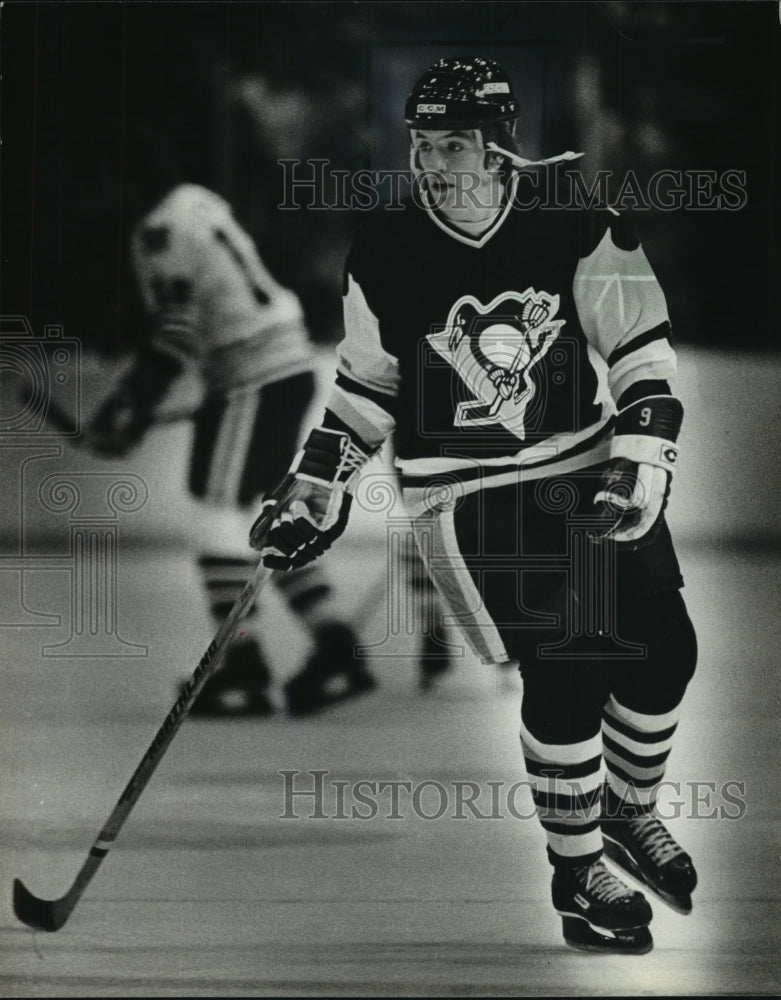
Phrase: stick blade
x=42 y=914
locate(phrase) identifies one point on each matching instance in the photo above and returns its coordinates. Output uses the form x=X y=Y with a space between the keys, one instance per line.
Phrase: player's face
x=454 y=163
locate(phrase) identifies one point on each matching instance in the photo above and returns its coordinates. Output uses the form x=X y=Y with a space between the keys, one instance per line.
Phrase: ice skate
x=643 y=847
x=240 y=686
x=599 y=912
x=331 y=675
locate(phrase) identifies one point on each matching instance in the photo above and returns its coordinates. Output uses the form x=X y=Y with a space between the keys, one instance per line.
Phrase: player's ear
x=493 y=162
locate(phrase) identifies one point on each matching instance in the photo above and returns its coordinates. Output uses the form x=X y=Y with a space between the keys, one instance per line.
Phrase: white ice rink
x=209 y=892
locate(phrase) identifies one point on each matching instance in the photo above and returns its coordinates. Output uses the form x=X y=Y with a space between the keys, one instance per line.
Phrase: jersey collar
x=458 y=234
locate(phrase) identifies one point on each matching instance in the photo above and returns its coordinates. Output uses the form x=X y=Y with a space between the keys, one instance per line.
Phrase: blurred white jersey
x=210 y=297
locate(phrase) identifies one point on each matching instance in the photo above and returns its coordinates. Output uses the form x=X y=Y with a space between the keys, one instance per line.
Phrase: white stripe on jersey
x=361 y=354
x=618 y=298
x=229 y=455
x=420 y=497
x=436 y=539
x=369 y=421
x=656 y=360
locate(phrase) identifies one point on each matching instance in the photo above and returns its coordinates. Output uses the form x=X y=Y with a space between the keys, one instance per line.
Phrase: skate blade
x=232 y=704
x=582 y=936
x=620 y=857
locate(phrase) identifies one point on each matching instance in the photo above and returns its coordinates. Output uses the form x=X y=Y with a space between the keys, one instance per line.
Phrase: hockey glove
x=643 y=453
x=124 y=418
x=308 y=511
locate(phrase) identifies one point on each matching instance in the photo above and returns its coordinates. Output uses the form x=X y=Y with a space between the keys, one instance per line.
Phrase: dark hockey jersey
x=505 y=348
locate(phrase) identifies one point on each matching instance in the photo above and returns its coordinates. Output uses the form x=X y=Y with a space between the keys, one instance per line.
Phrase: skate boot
x=643 y=847
x=331 y=675
x=599 y=912
x=239 y=687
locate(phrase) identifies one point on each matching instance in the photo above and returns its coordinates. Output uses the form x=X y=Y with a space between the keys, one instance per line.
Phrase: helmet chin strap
x=519 y=161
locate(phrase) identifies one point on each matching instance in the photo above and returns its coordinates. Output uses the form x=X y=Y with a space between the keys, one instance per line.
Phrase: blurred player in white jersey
x=207 y=301
x=520 y=355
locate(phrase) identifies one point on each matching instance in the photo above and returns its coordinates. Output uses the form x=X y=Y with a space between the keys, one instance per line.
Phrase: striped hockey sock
x=636 y=748
x=566 y=784
x=304 y=590
x=307 y=592
x=224 y=578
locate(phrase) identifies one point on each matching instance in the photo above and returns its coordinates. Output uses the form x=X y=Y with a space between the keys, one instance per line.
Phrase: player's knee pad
x=674 y=644
x=562 y=700
x=658 y=682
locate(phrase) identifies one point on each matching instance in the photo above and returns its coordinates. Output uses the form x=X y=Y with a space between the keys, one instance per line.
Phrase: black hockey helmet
x=461 y=93
x=464 y=93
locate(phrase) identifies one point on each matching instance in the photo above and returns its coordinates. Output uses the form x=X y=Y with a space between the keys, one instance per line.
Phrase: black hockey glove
x=308 y=511
x=124 y=418
x=643 y=453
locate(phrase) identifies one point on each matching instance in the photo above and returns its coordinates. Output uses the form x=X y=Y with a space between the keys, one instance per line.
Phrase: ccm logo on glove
x=309 y=510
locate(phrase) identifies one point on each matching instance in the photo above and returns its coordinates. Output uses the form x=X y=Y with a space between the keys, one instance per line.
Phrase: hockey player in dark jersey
x=522 y=360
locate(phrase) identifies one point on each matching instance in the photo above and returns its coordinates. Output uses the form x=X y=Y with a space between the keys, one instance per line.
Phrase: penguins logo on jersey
x=493 y=349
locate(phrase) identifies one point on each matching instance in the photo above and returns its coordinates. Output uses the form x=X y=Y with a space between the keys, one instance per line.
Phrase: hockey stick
x=66 y=424
x=161 y=419
x=51 y=914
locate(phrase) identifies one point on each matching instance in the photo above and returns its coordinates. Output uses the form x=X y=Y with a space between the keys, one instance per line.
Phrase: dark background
x=230 y=88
